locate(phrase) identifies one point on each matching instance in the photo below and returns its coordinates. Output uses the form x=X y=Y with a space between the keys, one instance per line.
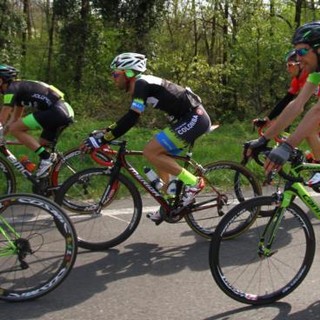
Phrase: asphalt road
x=159 y=273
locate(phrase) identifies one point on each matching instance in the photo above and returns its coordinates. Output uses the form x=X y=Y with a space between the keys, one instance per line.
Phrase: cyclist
x=306 y=40
x=298 y=78
x=49 y=112
x=188 y=120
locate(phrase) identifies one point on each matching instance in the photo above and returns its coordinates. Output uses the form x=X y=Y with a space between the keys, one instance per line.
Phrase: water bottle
x=309 y=156
x=172 y=187
x=156 y=182
x=30 y=166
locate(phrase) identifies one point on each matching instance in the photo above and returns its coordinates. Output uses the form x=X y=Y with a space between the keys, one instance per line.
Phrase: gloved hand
x=281 y=154
x=260 y=122
x=256 y=144
x=95 y=140
x=97 y=134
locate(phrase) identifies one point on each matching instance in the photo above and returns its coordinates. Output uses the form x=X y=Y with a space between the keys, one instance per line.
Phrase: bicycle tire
x=71 y=162
x=229 y=178
x=267 y=187
x=249 y=278
x=111 y=226
x=7 y=178
x=40 y=253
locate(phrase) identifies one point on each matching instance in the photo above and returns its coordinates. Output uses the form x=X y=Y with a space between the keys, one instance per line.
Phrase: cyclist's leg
x=51 y=120
x=173 y=139
x=158 y=156
x=20 y=128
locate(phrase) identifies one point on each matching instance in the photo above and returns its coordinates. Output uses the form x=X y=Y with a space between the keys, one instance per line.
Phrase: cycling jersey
x=314 y=78
x=34 y=94
x=298 y=82
x=188 y=118
x=295 y=86
x=164 y=95
x=50 y=111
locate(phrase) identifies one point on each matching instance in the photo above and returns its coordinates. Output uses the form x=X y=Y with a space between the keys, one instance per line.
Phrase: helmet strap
x=129 y=82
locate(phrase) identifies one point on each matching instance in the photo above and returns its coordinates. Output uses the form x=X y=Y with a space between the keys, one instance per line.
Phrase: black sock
x=42 y=153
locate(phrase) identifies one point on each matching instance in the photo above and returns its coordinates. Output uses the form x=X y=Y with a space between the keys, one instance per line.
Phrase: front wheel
x=115 y=221
x=71 y=162
x=252 y=273
x=38 y=246
x=227 y=184
x=7 y=178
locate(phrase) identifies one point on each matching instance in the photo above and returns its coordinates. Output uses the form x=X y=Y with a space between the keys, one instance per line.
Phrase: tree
x=11 y=27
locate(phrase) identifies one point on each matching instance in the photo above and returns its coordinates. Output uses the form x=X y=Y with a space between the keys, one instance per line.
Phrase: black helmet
x=308 y=33
x=8 y=73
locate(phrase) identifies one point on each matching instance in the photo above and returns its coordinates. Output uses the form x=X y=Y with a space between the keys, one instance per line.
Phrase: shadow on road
x=95 y=270
x=283 y=310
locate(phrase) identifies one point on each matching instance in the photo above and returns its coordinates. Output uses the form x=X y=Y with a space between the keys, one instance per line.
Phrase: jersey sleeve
x=139 y=96
x=294 y=86
x=314 y=78
x=281 y=105
x=8 y=99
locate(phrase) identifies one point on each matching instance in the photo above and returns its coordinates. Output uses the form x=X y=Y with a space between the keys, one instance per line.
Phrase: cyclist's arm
x=281 y=105
x=4 y=114
x=124 y=124
x=309 y=123
x=290 y=113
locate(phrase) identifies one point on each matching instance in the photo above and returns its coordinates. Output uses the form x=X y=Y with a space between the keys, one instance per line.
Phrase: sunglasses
x=116 y=74
x=291 y=64
x=302 y=52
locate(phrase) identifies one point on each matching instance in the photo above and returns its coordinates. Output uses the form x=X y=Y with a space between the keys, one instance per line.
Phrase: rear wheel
x=227 y=184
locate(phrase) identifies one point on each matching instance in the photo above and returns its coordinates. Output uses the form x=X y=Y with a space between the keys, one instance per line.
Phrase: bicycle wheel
x=227 y=184
x=115 y=222
x=38 y=246
x=239 y=268
x=7 y=178
x=268 y=188
x=73 y=161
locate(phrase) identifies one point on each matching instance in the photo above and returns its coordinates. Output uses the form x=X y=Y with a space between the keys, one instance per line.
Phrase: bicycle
x=66 y=164
x=269 y=258
x=38 y=246
x=256 y=166
x=112 y=204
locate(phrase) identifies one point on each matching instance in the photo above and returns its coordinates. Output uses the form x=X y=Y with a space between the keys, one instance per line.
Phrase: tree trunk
x=83 y=36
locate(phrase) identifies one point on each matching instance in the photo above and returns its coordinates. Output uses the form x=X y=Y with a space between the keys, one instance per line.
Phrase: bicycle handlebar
x=277 y=139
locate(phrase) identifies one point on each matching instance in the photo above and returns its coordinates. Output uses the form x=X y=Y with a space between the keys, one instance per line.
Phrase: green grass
x=224 y=143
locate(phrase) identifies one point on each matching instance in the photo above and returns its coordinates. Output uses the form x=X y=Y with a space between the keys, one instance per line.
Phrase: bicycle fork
x=269 y=233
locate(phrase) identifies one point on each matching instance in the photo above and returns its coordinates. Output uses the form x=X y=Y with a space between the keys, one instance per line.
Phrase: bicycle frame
x=50 y=182
x=16 y=163
x=10 y=248
x=121 y=162
x=292 y=190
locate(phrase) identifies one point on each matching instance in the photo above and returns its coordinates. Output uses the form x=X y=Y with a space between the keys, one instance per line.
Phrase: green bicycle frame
x=10 y=248
x=292 y=190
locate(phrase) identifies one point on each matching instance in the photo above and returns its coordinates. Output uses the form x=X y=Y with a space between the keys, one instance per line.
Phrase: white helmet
x=130 y=61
